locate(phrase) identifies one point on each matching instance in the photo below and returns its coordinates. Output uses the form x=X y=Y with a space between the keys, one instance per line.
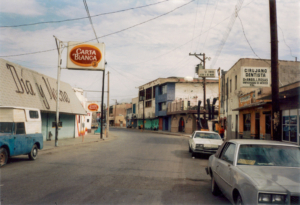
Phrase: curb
x=81 y=143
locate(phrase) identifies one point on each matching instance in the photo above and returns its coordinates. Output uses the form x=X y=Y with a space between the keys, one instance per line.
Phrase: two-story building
x=247 y=115
x=117 y=114
x=170 y=104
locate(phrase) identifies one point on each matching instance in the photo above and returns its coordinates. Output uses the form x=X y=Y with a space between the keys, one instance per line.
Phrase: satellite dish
x=188 y=78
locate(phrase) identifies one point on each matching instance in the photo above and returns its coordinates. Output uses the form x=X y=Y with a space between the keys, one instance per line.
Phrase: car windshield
x=207 y=136
x=269 y=155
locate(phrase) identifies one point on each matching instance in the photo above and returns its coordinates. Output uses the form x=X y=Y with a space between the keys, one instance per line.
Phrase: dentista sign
x=86 y=56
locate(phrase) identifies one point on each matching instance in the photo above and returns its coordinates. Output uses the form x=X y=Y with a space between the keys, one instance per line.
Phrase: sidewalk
x=89 y=138
x=156 y=132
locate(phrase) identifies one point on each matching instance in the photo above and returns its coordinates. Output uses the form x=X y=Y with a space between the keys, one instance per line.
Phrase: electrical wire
x=249 y=42
x=202 y=23
x=91 y=22
x=44 y=51
x=76 y=19
x=286 y=43
x=211 y=23
x=194 y=24
x=227 y=32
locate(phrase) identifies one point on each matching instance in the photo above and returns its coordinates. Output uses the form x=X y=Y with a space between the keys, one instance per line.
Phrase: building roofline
x=257 y=60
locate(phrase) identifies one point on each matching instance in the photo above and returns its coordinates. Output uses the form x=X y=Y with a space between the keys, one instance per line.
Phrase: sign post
x=88 y=56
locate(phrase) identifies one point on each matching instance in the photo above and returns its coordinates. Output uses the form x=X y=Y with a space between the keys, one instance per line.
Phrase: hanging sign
x=256 y=77
x=85 y=56
x=93 y=107
x=210 y=73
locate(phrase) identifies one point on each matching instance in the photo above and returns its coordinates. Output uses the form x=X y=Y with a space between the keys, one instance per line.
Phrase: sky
x=143 y=44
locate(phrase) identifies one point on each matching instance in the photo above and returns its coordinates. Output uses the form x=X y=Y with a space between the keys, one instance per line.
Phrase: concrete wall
x=189 y=123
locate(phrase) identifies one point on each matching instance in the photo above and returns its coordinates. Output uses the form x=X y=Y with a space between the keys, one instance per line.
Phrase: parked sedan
x=205 y=142
x=256 y=172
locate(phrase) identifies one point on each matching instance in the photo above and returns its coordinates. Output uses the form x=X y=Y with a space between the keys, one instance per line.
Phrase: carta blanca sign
x=210 y=73
x=256 y=77
x=85 y=56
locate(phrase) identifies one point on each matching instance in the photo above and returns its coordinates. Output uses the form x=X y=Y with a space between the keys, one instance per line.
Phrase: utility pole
x=219 y=75
x=204 y=90
x=59 y=49
x=102 y=99
x=274 y=72
x=107 y=111
x=144 y=110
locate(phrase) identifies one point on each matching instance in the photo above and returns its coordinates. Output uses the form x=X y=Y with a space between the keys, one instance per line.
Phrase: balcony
x=185 y=107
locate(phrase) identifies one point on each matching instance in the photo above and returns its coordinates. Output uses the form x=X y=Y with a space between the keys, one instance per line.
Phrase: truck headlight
x=271 y=198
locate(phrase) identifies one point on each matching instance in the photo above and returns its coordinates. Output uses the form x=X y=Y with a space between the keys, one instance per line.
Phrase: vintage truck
x=20 y=132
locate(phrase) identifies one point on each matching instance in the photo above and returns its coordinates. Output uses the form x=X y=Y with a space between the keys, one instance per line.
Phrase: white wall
x=194 y=92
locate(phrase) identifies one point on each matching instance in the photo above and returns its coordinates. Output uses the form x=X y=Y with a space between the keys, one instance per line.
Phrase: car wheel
x=34 y=152
x=3 y=157
x=214 y=187
x=239 y=200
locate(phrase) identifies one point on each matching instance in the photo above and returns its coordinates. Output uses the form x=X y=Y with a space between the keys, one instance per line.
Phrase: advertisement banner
x=209 y=73
x=255 y=77
x=85 y=56
x=93 y=107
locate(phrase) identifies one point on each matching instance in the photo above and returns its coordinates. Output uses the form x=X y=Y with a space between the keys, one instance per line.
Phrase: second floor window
x=148 y=103
x=162 y=89
x=162 y=106
x=148 y=93
x=235 y=82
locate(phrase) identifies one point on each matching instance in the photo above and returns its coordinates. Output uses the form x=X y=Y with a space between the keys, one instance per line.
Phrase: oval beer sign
x=86 y=55
x=93 y=107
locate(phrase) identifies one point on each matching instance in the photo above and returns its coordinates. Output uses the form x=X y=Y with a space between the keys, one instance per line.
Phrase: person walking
x=221 y=132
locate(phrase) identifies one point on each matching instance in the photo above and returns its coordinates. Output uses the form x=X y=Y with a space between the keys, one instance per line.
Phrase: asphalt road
x=134 y=168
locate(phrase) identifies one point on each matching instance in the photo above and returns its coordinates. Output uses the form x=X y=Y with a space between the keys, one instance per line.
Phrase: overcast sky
x=145 y=52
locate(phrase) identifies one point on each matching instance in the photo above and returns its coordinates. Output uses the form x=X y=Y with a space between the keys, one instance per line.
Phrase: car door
x=224 y=168
x=20 y=139
x=191 y=139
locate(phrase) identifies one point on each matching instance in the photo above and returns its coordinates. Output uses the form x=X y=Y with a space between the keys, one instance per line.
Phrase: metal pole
x=101 y=126
x=58 y=86
x=144 y=110
x=219 y=74
x=204 y=91
x=274 y=72
x=107 y=111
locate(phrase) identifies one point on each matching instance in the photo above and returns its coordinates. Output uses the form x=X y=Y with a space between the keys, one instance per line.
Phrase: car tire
x=33 y=153
x=214 y=187
x=239 y=200
x=3 y=157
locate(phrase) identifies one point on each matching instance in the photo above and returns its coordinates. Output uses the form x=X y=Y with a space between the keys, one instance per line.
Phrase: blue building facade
x=164 y=94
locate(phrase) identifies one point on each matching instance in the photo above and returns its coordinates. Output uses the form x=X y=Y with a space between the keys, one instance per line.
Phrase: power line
x=211 y=22
x=226 y=34
x=36 y=52
x=76 y=19
x=195 y=23
x=202 y=23
x=249 y=42
x=91 y=22
x=287 y=44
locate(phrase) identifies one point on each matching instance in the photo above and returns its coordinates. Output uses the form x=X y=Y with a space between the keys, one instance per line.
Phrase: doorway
x=181 y=125
x=236 y=126
x=257 y=126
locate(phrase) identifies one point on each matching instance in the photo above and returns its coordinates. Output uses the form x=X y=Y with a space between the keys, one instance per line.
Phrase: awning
x=252 y=105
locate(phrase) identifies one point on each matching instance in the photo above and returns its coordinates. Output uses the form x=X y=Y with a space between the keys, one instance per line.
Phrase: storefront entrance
x=181 y=125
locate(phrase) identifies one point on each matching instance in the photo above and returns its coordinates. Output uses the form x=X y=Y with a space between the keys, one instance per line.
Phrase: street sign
x=210 y=73
x=85 y=56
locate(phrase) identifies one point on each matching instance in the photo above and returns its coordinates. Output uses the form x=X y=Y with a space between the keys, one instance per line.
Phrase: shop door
x=181 y=125
x=257 y=126
x=166 y=124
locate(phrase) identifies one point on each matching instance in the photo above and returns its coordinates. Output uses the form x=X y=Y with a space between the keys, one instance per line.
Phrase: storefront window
x=247 y=122
x=289 y=125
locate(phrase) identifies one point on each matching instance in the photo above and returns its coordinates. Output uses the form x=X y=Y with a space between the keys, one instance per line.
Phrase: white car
x=256 y=172
x=204 y=142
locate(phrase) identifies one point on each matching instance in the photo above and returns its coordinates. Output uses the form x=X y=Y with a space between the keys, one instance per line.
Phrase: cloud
x=159 y=48
x=24 y=8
